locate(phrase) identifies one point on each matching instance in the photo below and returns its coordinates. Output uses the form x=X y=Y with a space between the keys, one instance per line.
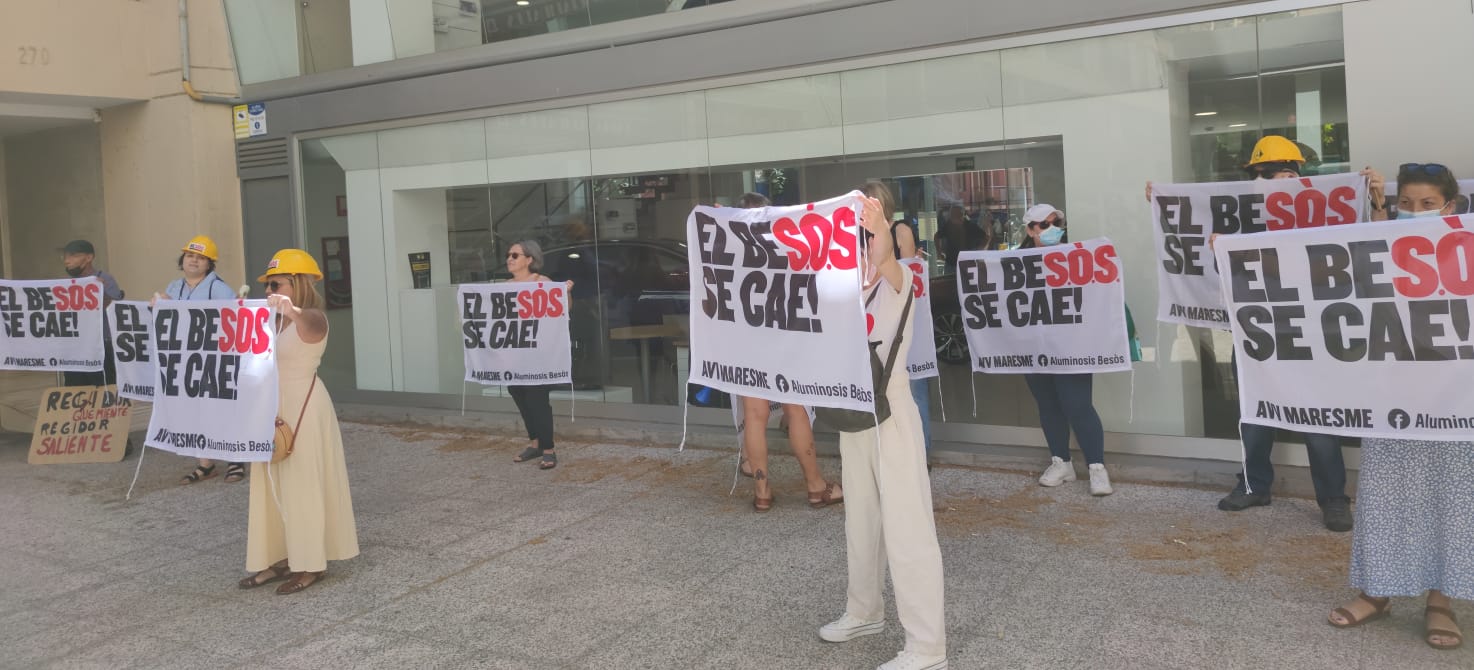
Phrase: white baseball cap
x=1040 y=212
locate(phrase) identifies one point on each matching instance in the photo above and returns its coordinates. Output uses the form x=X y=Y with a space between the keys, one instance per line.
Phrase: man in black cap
x=77 y=257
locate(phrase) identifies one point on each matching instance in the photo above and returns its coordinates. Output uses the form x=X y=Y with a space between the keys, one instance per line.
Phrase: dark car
x=946 y=315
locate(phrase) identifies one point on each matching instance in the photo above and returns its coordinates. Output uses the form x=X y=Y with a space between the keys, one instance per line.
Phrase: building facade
x=456 y=129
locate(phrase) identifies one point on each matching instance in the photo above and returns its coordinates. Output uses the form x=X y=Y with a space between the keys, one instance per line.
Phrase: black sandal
x=200 y=473
x=235 y=472
x=274 y=573
x=528 y=454
x=550 y=461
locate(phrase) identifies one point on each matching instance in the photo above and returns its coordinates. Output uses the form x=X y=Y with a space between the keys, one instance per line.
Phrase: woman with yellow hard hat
x=197 y=261
x=294 y=530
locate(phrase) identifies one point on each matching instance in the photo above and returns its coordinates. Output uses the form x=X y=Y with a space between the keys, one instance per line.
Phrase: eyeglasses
x=1431 y=169
x=1041 y=225
x=273 y=285
x=512 y=256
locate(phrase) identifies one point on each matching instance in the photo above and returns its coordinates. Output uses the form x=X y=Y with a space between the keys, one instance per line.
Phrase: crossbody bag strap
x=304 y=407
x=890 y=360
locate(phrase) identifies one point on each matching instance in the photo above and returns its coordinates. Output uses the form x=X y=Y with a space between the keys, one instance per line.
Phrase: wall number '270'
x=35 y=56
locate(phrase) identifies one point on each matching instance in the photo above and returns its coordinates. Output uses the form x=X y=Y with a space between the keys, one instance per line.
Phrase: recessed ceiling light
x=1237 y=125
x=1206 y=114
x=523 y=3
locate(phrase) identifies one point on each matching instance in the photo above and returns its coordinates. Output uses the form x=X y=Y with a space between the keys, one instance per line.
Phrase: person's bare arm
x=882 y=255
x=312 y=324
x=906 y=241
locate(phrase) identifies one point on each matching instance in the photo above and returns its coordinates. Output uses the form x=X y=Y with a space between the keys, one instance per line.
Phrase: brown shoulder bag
x=286 y=436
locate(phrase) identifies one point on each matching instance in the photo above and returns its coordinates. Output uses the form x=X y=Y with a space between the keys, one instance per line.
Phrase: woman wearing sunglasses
x=1414 y=505
x=1065 y=401
x=314 y=523
x=524 y=261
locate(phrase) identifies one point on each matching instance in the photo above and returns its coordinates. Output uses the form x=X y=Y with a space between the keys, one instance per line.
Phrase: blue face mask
x=1403 y=214
x=1051 y=236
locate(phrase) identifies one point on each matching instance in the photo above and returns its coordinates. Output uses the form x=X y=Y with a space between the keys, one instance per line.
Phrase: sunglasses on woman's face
x=1431 y=169
x=1041 y=225
x=512 y=256
x=273 y=285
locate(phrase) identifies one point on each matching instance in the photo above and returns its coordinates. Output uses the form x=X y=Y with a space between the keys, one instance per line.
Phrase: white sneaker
x=1100 y=482
x=848 y=628
x=1059 y=472
x=911 y=661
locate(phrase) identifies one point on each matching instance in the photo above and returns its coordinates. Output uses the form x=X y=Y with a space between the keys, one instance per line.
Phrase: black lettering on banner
x=130 y=334
x=12 y=313
x=1182 y=239
x=1041 y=289
x=509 y=319
x=203 y=363
x=762 y=283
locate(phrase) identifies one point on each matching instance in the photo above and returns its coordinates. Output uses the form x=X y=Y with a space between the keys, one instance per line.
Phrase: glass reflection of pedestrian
x=958 y=233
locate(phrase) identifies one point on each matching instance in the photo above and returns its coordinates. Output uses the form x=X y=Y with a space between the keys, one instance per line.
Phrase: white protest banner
x=921 y=356
x=1461 y=203
x=1361 y=331
x=516 y=333
x=216 y=391
x=51 y=324
x=130 y=323
x=776 y=312
x=1185 y=217
x=1045 y=310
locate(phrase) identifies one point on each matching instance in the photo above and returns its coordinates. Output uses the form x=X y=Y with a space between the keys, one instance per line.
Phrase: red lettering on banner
x=1451 y=268
x=72 y=297
x=540 y=303
x=244 y=330
x=816 y=242
x=918 y=287
x=1079 y=266
x=1309 y=208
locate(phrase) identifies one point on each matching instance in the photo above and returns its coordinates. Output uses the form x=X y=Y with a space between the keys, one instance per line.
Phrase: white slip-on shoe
x=912 y=661
x=1100 y=482
x=1059 y=472
x=847 y=628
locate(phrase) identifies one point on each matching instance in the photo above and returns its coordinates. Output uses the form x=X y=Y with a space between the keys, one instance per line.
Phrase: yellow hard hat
x=292 y=262
x=1275 y=149
x=202 y=245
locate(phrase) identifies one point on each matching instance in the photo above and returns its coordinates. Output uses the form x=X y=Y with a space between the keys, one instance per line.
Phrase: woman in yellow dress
x=314 y=523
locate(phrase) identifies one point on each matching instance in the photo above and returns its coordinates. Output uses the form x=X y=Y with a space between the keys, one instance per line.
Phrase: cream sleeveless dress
x=315 y=522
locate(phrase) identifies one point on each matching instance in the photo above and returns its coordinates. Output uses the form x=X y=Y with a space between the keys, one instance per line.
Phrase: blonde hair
x=304 y=291
x=881 y=192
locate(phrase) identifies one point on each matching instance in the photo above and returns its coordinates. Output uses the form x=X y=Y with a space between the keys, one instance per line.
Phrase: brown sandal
x=299 y=582
x=1379 y=610
x=1429 y=631
x=825 y=497
x=763 y=504
x=275 y=572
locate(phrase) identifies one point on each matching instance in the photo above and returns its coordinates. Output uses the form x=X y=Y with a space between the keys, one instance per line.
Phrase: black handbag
x=853 y=420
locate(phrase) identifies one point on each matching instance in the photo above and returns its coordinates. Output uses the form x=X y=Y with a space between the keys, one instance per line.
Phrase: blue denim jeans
x=1327 y=467
x=921 y=393
x=1065 y=403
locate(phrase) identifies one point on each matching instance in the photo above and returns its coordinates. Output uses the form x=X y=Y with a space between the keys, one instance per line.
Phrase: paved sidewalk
x=635 y=557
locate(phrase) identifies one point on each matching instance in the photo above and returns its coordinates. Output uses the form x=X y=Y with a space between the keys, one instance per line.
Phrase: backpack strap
x=890 y=361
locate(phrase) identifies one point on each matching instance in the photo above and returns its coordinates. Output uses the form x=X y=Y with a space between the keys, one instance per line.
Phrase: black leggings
x=537 y=413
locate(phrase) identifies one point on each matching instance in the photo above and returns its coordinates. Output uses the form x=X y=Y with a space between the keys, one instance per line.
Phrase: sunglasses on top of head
x=1431 y=169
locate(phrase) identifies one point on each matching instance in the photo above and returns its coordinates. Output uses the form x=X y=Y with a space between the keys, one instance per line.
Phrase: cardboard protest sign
x=216 y=392
x=516 y=333
x=1045 y=310
x=921 y=356
x=776 y=312
x=51 y=324
x=80 y=424
x=1362 y=331
x=1185 y=217
x=129 y=325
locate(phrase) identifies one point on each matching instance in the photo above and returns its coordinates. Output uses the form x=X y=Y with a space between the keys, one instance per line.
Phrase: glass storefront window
x=966 y=142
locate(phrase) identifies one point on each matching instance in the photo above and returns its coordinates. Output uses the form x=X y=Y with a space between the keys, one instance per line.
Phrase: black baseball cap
x=79 y=247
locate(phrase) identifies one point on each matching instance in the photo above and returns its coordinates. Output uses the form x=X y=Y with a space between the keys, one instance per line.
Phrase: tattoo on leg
x=760 y=475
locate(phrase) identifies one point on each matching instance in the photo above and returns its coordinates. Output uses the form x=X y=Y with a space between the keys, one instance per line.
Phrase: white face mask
x=1401 y=214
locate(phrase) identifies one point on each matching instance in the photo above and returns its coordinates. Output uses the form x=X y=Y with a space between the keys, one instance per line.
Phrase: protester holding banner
x=77 y=258
x=1065 y=401
x=755 y=412
x=1274 y=158
x=524 y=261
x=1415 y=508
x=313 y=523
x=888 y=515
x=197 y=261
